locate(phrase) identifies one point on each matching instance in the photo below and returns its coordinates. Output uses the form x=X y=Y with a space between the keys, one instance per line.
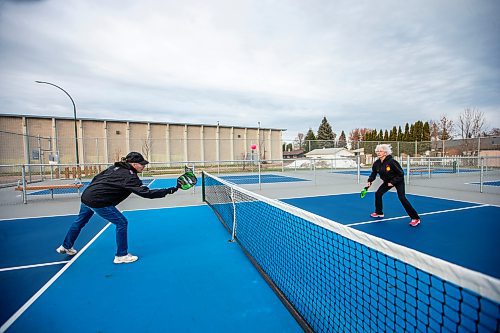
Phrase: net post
x=233 y=234
x=203 y=186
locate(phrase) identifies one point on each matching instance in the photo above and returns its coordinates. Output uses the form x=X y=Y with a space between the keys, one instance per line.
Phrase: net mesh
x=337 y=283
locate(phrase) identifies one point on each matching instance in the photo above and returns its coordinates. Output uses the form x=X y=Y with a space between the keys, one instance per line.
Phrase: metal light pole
x=74 y=117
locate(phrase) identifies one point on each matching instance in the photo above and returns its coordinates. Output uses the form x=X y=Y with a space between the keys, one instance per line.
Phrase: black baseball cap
x=135 y=157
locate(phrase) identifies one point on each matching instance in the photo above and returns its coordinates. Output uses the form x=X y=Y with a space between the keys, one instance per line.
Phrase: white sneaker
x=125 y=259
x=62 y=250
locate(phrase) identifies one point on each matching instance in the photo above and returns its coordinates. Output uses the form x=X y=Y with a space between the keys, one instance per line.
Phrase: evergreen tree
x=411 y=137
x=386 y=135
x=393 y=135
x=406 y=135
x=325 y=133
x=400 y=134
x=380 y=136
x=310 y=141
x=342 y=140
x=426 y=133
x=419 y=129
x=369 y=135
x=426 y=138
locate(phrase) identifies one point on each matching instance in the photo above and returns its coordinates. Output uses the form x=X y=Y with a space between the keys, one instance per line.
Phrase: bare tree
x=299 y=140
x=146 y=148
x=117 y=154
x=359 y=134
x=434 y=130
x=471 y=123
x=445 y=128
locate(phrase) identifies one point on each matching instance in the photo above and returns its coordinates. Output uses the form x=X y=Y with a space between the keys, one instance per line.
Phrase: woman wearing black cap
x=107 y=190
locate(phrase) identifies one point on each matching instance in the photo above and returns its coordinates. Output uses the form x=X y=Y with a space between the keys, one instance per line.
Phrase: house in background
x=329 y=153
x=332 y=158
x=298 y=153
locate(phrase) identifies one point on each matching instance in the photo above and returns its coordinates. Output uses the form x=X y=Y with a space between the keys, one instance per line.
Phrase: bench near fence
x=50 y=187
x=421 y=171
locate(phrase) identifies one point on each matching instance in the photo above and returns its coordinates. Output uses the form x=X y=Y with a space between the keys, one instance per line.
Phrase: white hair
x=385 y=147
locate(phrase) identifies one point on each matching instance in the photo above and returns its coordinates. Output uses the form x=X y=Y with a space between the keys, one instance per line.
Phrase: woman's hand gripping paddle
x=364 y=191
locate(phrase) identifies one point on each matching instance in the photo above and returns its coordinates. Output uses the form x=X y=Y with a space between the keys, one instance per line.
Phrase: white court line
x=26 y=305
x=402 y=217
x=6 y=269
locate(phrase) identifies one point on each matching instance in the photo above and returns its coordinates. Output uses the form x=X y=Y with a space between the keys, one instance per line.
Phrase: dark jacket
x=389 y=170
x=115 y=184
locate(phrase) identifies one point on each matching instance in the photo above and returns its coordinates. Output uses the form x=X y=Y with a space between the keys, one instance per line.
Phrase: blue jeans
x=110 y=214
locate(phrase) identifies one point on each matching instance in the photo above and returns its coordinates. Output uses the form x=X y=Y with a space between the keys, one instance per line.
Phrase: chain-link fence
x=457 y=147
x=472 y=174
x=25 y=149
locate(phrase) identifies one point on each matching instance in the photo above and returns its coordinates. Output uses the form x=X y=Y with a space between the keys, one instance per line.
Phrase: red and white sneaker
x=414 y=222
x=375 y=215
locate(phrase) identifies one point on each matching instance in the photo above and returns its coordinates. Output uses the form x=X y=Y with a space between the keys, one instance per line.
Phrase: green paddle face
x=186 y=181
x=363 y=192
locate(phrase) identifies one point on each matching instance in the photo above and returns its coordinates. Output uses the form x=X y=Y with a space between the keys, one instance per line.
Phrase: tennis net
x=338 y=279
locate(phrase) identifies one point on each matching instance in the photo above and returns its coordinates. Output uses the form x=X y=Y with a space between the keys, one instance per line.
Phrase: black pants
x=401 y=195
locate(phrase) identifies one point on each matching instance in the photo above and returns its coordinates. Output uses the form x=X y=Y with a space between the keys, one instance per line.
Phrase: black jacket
x=115 y=184
x=389 y=170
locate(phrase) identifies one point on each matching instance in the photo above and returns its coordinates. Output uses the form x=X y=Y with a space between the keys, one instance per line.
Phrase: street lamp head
x=74 y=115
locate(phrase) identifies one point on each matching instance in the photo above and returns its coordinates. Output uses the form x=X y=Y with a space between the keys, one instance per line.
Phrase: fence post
x=478 y=147
x=481 y=175
x=314 y=169
x=408 y=170
x=260 y=183
x=429 y=165
x=23 y=179
x=358 y=171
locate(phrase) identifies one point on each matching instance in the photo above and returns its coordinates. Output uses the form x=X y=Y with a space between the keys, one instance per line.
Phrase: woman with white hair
x=392 y=175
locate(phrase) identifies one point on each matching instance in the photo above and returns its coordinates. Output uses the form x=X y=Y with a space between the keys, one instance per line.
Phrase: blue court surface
x=171 y=182
x=416 y=171
x=488 y=183
x=265 y=178
x=189 y=278
x=73 y=190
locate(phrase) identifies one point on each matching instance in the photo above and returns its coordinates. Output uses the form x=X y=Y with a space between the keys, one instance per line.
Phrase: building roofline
x=135 y=121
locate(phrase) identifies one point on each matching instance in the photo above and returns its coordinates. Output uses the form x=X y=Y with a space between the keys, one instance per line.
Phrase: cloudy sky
x=283 y=63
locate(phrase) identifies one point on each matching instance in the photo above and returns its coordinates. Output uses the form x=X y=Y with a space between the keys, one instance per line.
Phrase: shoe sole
x=66 y=252
x=377 y=217
x=125 y=262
